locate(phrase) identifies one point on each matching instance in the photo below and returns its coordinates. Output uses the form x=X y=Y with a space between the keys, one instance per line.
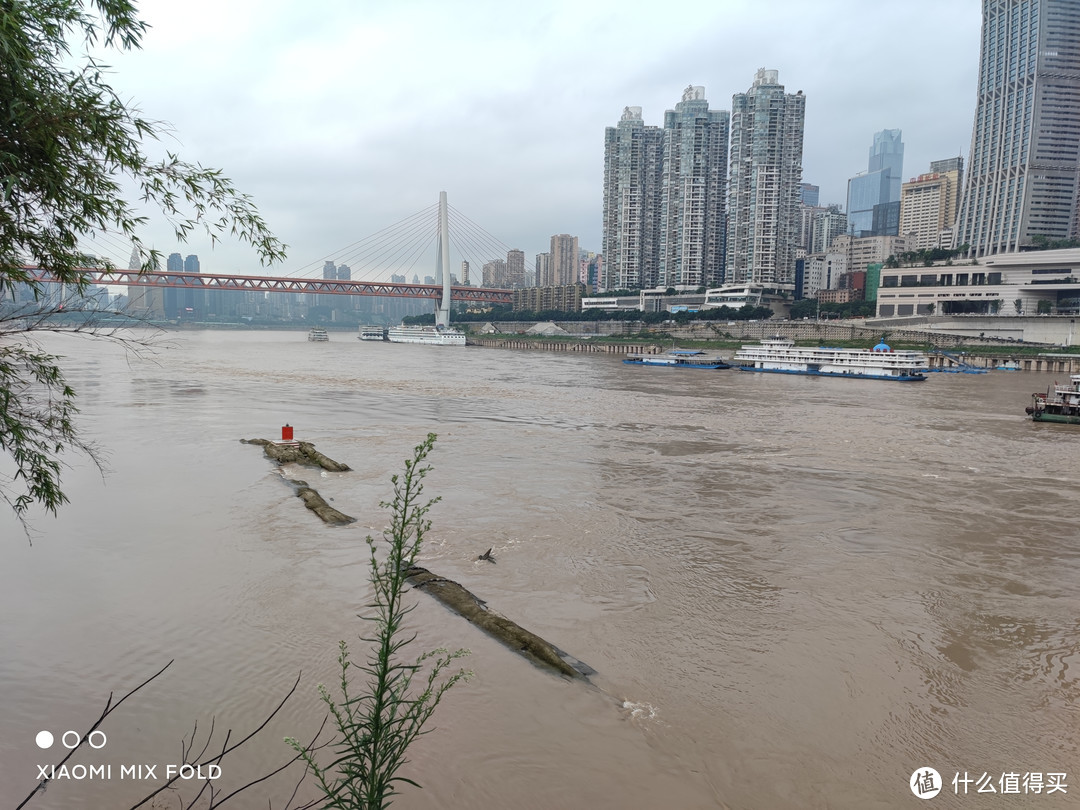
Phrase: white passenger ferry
x=780 y=355
x=318 y=335
x=372 y=333
x=432 y=335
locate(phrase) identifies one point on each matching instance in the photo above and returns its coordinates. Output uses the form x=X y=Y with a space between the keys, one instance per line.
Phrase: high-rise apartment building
x=825 y=225
x=515 y=269
x=871 y=192
x=633 y=159
x=765 y=182
x=1025 y=143
x=494 y=274
x=464 y=274
x=564 y=259
x=928 y=206
x=693 y=207
x=544 y=277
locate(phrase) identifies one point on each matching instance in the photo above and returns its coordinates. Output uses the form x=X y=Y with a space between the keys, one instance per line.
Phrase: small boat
x=780 y=355
x=1060 y=403
x=678 y=358
x=372 y=333
x=318 y=335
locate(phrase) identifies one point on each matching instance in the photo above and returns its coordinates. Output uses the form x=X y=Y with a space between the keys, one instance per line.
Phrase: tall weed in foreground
x=376 y=726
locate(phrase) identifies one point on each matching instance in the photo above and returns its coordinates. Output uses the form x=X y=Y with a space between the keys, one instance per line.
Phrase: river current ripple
x=794 y=591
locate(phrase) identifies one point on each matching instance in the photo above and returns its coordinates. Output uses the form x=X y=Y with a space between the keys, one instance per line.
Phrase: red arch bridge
x=321 y=286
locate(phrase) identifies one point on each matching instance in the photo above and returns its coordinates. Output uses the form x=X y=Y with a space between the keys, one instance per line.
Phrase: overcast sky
x=342 y=118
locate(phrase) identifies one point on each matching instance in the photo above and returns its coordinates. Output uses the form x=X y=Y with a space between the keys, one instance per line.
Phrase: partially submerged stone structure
x=513 y=635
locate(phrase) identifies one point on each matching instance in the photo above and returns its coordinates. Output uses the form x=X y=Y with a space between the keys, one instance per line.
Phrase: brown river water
x=794 y=591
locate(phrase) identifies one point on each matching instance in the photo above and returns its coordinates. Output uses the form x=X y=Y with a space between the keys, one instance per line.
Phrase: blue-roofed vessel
x=678 y=358
x=780 y=355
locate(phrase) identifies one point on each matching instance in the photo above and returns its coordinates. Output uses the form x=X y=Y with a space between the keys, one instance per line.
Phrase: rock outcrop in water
x=305 y=453
x=517 y=638
x=298 y=453
x=317 y=504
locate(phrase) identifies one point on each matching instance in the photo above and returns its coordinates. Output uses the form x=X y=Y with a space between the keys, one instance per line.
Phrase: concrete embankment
x=1058 y=364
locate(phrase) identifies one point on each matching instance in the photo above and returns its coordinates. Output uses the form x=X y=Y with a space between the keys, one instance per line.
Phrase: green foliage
x=37 y=411
x=67 y=143
x=1018 y=305
x=1044 y=307
x=1042 y=242
x=377 y=725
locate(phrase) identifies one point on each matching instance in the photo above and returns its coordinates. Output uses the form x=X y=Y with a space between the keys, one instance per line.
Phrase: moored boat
x=372 y=333
x=678 y=358
x=431 y=335
x=1060 y=403
x=318 y=335
x=780 y=355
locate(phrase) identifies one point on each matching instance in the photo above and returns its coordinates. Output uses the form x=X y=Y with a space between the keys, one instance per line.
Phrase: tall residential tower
x=692 y=205
x=765 y=182
x=1025 y=143
x=632 y=163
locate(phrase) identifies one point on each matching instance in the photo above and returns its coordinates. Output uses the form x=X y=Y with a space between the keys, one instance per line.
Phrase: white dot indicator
x=44 y=739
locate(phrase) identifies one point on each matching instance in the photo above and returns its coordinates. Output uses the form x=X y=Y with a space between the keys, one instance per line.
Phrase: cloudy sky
x=343 y=117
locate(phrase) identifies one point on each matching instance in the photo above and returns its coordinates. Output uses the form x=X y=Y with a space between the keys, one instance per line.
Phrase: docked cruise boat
x=432 y=335
x=678 y=358
x=372 y=333
x=318 y=335
x=1060 y=403
x=780 y=355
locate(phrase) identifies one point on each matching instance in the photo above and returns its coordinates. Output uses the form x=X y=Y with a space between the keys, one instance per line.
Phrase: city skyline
x=336 y=149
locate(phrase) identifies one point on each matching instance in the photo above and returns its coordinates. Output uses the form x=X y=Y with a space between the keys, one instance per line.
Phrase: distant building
x=1024 y=162
x=494 y=274
x=1006 y=284
x=878 y=185
x=544 y=275
x=566 y=298
x=633 y=160
x=693 y=208
x=867 y=250
x=928 y=209
x=464 y=274
x=809 y=194
x=515 y=269
x=822 y=271
x=765 y=182
x=564 y=259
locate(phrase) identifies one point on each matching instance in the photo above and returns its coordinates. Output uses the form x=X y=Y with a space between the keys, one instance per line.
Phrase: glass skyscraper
x=879 y=185
x=1025 y=143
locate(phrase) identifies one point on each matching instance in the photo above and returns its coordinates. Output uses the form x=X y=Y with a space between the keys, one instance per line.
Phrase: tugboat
x=1060 y=403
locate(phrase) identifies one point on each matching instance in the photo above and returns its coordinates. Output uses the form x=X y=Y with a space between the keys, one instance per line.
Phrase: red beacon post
x=287 y=433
